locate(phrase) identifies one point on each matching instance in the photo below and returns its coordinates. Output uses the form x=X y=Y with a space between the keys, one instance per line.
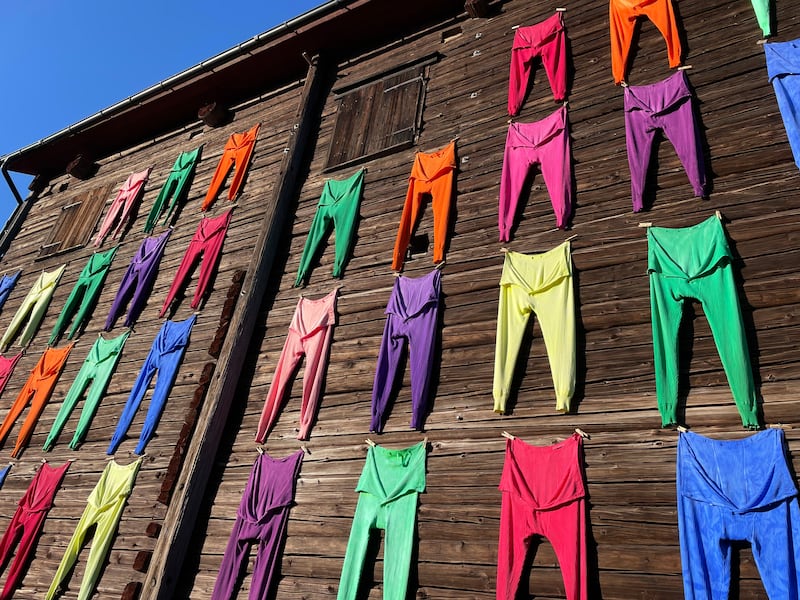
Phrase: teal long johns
x=177 y=186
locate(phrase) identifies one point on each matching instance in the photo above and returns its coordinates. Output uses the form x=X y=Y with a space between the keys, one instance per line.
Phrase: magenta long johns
x=412 y=317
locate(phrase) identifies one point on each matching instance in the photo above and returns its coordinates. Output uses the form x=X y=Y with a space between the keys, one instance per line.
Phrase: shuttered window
x=378 y=117
x=76 y=221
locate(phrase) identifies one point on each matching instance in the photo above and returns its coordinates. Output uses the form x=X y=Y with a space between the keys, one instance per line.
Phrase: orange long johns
x=237 y=153
x=622 y=19
x=37 y=390
x=432 y=174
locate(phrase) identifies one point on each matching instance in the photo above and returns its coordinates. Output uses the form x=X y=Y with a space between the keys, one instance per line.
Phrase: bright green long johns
x=176 y=185
x=104 y=508
x=84 y=294
x=96 y=372
x=762 y=10
x=695 y=262
x=338 y=204
x=389 y=487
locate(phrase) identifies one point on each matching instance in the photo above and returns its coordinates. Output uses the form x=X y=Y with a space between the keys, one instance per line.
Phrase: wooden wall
x=147 y=505
x=630 y=459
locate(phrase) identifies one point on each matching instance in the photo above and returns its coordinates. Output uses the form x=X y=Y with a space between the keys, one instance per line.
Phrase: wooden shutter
x=76 y=221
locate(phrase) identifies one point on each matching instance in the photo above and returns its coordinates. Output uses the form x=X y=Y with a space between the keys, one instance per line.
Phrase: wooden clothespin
x=719 y=214
x=440 y=266
x=425 y=441
x=305 y=449
x=511 y=120
x=582 y=433
x=561 y=9
x=44 y=461
x=623 y=83
x=396 y=273
x=570 y=238
x=762 y=42
x=682 y=429
x=645 y=224
x=455 y=139
x=504 y=250
x=684 y=67
x=505 y=434
x=71 y=459
x=260 y=449
x=514 y=27
x=370 y=442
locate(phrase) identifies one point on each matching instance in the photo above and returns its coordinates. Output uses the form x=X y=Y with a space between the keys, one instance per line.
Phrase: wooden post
x=179 y=522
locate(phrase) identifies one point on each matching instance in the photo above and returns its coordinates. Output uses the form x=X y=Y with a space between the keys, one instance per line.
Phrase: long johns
x=623 y=15
x=137 y=282
x=547 y=144
x=122 y=205
x=95 y=373
x=26 y=524
x=539 y=284
x=695 y=262
x=33 y=307
x=7 y=283
x=310 y=334
x=389 y=489
x=165 y=356
x=36 y=390
x=737 y=490
x=7 y=368
x=338 y=206
x=206 y=245
x=783 y=69
x=237 y=153
x=547 y=40
x=544 y=494
x=664 y=106
x=84 y=294
x=433 y=173
x=262 y=518
x=176 y=186
x=104 y=508
x=763 y=16
x=412 y=317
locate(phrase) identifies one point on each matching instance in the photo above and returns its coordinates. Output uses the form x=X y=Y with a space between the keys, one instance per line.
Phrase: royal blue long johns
x=138 y=280
x=3 y=474
x=737 y=490
x=783 y=69
x=7 y=284
x=165 y=356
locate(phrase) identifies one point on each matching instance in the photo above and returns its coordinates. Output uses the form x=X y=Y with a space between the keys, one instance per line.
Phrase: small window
x=378 y=117
x=76 y=222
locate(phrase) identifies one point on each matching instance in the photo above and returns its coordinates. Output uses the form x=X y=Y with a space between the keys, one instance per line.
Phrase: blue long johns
x=7 y=284
x=783 y=66
x=165 y=356
x=732 y=491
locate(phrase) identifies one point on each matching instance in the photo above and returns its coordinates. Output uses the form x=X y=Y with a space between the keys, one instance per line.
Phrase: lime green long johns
x=33 y=308
x=104 y=508
x=695 y=263
x=389 y=488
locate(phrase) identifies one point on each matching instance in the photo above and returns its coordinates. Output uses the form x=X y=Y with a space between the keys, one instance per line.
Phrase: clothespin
x=684 y=67
x=570 y=238
x=301 y=295
x=370 y=442
x=762 y=42
x=260 y=449
x=305 y=449
x=514 y=27
x=561 y=9
x=682 y=429
x=623 y=84
x=338 y=286
x=719 y=214
x=440 y=266
x=44 y=461
x=565 y=103
x=504 y=250
x=582 y=433
x=425 y=441
x=455 y=138
x=645 y=224
x=505 y=434
x=71 y=459
x=511 y=120
x=396 y=273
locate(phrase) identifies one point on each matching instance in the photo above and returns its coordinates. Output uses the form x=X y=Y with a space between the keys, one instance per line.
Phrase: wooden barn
x=364 y=86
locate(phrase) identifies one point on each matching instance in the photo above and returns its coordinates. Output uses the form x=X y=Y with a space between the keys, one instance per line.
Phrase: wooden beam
x=170 y=550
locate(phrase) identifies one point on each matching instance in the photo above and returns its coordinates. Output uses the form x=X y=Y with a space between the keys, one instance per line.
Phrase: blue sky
x=65 y=60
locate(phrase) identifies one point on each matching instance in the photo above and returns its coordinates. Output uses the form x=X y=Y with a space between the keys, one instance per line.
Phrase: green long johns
x=762 y=10
x=84 y=294
x=338 y=204
x=177 y=185
x=33 y=307
x=389 y=488
x=103 y=508
x=695 y=262
x=96 y=372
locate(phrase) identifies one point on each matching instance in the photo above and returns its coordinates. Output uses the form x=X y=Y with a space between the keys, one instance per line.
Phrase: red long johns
x=26 y=524
x=37 y=390
x=207 y=241
x=236 y=155
x=543 y=494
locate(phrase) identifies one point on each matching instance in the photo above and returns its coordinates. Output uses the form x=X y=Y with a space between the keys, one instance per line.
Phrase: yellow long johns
x=539 y=284
x=33 y=307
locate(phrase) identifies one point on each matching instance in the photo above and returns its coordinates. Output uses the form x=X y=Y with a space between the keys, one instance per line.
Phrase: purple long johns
x=138 y=280
x=667 y=106
x=261 y=518
x=412 y=315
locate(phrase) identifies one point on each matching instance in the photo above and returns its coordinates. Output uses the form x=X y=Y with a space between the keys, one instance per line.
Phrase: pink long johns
x=310 y=334
x=547 y=39
x=121 y=206
x=546 y=143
